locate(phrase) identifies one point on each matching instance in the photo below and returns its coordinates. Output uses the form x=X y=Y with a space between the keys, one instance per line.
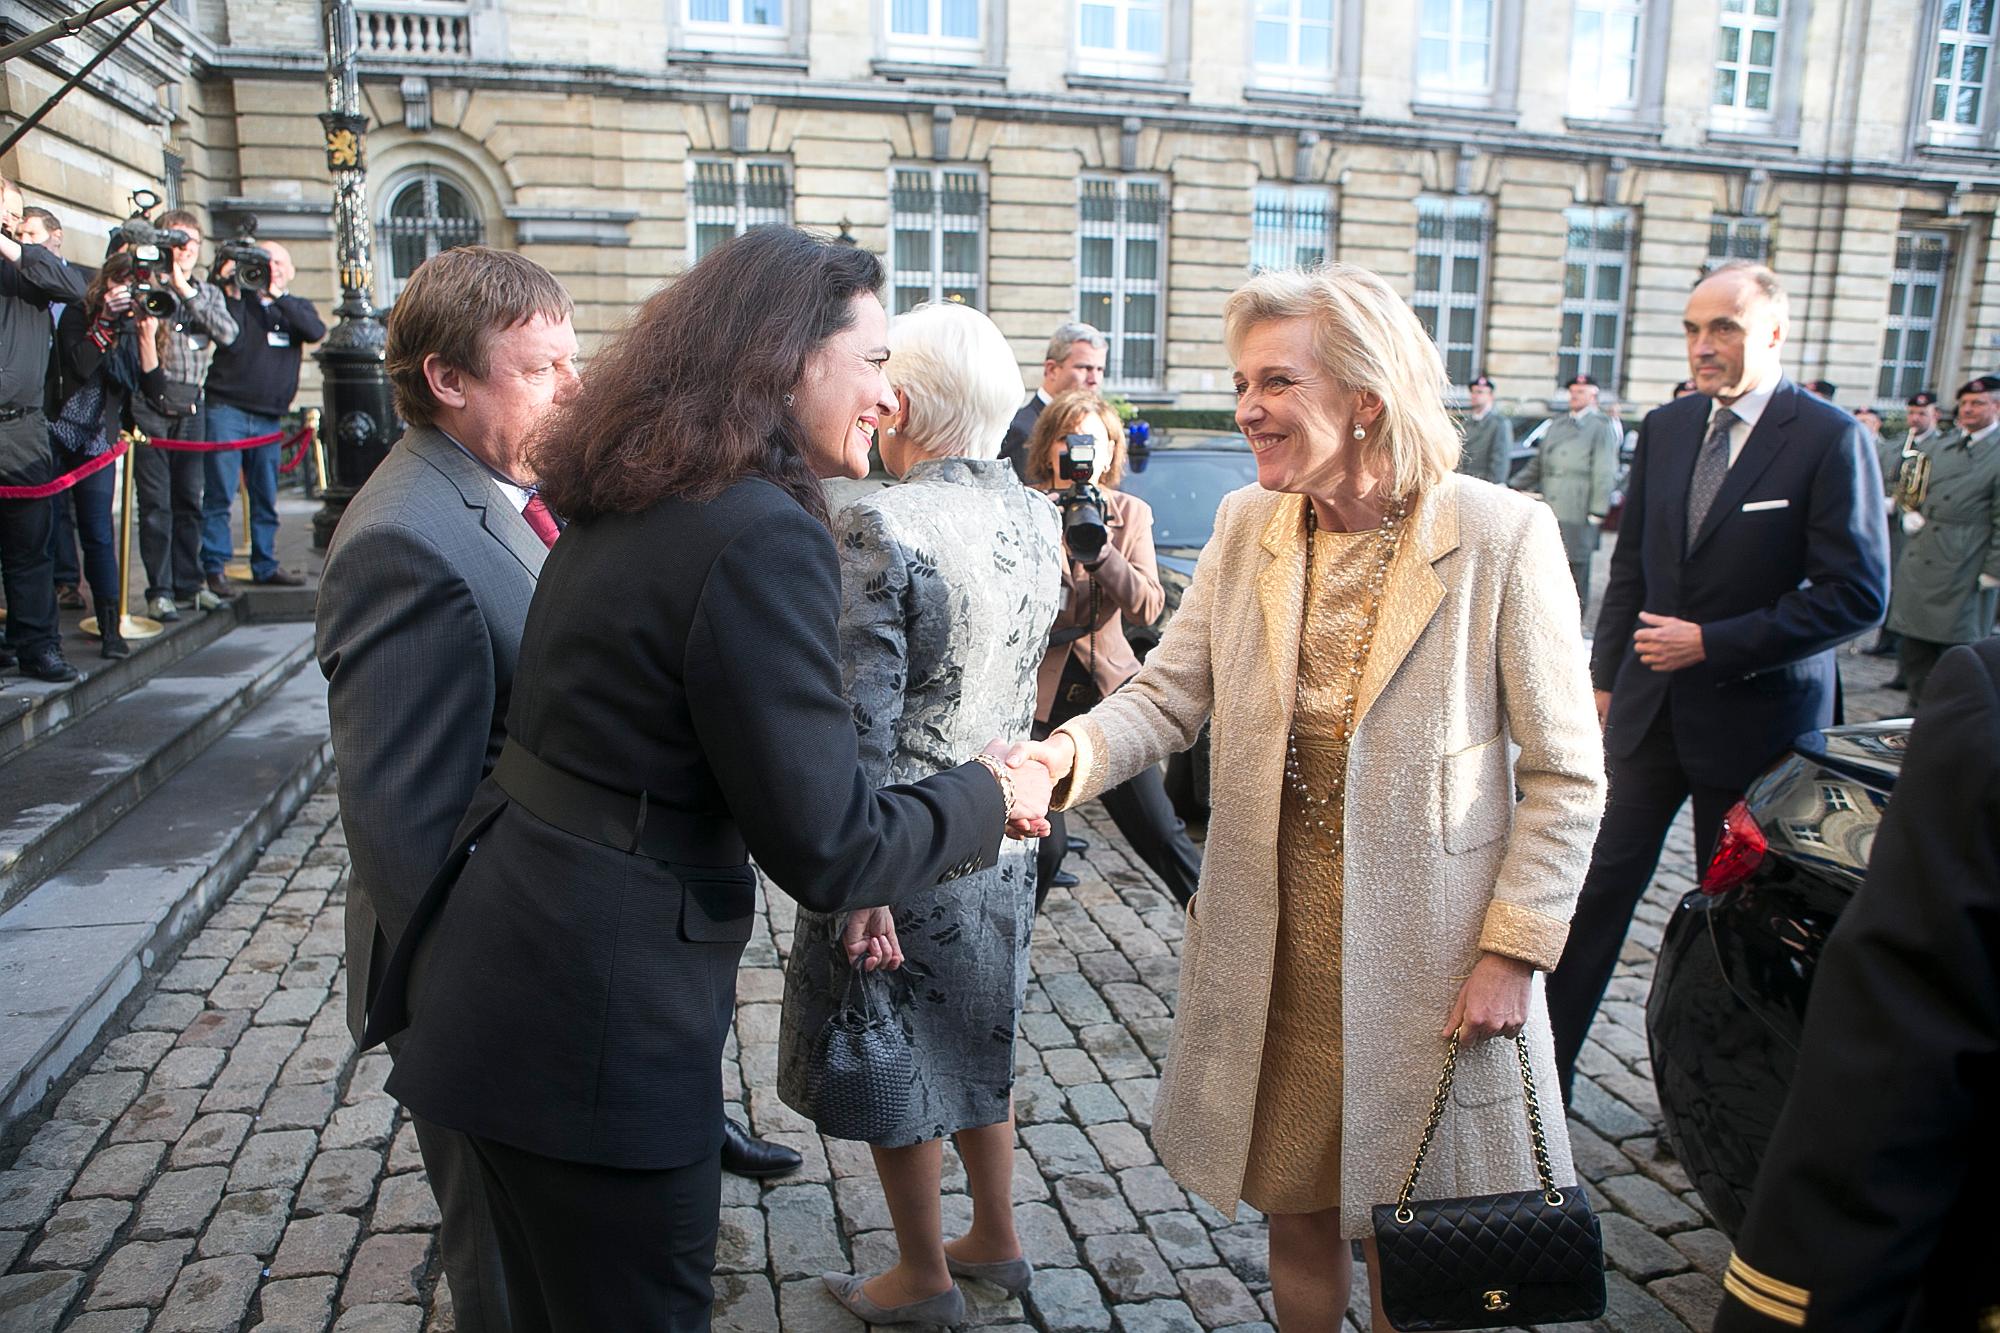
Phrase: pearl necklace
x=1321 y=812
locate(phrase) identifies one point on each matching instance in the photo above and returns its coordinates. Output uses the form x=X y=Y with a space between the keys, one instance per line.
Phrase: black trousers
x=466 y=1240
x=588 y=1248
x=1915 y=660
x=1143 y=812
x=1647 y=790
x=26 y=571
x=170 y=482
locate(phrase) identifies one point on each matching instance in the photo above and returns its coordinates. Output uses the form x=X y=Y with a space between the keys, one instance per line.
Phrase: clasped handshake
x=1031 y=770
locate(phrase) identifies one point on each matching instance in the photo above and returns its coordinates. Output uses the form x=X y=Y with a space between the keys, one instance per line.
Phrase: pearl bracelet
x=1001 y=776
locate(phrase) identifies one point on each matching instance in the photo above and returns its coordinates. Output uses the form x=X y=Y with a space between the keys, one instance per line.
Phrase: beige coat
x=1476 y=647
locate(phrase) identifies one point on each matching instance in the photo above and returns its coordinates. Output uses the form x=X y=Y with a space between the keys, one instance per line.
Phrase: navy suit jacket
x=1791 y=561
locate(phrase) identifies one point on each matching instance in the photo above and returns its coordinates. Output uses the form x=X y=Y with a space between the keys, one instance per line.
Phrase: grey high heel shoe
x=947 y=1308
x=1012 y=1276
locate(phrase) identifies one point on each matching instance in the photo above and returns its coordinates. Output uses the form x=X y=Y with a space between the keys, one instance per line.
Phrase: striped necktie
x=1711 y=465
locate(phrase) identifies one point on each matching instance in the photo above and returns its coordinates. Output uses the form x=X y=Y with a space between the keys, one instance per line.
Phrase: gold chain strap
x=1543 y=1172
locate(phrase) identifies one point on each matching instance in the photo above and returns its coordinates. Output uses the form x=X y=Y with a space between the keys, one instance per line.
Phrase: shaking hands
x=1033 y=768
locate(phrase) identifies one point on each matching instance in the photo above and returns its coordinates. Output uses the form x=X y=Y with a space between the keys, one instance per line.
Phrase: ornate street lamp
x=360 y=417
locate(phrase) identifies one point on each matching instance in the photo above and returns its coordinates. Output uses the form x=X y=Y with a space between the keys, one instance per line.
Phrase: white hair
x=959 y=377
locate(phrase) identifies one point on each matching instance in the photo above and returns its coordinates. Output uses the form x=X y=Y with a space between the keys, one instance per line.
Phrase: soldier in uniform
x=1821 y=389
x=1947 y=582
x=1575 y=470
x=1880 y=1215
x=1489 y=439
x=1921 y=416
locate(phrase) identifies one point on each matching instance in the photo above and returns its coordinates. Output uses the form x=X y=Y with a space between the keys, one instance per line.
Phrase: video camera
x=152 y=267
x=253 y=261
x=1081 y=502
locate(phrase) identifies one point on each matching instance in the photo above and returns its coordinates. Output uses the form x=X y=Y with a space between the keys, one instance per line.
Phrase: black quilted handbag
x=1495 y=1260
x=859 y=1086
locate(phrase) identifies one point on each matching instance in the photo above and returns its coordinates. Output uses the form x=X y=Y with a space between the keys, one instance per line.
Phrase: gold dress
x=1295 y=1138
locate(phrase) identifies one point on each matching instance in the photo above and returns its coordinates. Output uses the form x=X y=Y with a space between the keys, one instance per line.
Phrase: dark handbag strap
x=1543 y=1173
x=856 y=979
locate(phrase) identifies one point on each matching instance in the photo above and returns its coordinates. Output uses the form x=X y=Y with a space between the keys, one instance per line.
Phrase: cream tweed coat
x=1477 y=647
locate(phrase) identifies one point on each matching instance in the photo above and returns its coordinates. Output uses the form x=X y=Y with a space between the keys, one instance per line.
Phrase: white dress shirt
x=1748 y=409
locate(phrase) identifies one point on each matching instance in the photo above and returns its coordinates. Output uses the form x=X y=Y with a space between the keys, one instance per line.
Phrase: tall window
x=735 y=25
x=1455 y=46
x=1604 y=56
x=1916 y=302
x=1291 y=226
x=1731 y=237
x=1964 y=55
x=947 y=31
x=1121 y=37
x=1596 y=264
x=729 y=195
x=937 y=224
x=1121 y=272
x=1450 y=299
x=1291 y=42
x=1746 y=60
x=426 y=212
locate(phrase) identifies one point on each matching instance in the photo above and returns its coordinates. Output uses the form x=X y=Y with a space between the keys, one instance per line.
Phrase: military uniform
x=1489 y=446
x=1892 y=453
x=1947 y=579
x=1575 y=470
x=1873 y=1208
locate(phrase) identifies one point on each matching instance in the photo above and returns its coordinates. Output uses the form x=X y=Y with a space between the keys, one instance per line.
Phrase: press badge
x=278 y=337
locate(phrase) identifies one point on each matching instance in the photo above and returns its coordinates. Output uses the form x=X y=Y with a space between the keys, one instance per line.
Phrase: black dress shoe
x=756 y=1158
x=46 y=663
x=113 y=645
x=1077 y=846
x=1062 y=879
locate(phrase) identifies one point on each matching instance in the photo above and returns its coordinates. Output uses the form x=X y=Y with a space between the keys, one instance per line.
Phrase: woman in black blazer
x=677 y=708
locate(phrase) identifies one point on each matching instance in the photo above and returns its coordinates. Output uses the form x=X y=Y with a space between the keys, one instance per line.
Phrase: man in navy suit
x=1753 y=544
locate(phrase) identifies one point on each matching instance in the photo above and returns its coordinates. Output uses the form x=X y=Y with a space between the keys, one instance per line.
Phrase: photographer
x=108 y=350
x=170 y=481
x=1109 y=572
x=250 y=387
x=31 y=280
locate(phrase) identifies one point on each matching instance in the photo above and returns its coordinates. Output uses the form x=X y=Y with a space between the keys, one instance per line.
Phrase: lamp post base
x=360 y=417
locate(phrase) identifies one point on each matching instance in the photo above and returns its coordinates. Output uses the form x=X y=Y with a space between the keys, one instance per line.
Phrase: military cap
x=1480 y=381
x=1578 y=379
x=1983 y=384
x=1922 y=398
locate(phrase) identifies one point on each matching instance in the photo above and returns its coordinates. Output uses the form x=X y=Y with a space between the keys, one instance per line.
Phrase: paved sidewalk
x=228 y=1163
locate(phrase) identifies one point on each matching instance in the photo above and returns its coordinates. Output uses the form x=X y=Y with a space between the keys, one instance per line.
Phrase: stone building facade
x=1543 y=178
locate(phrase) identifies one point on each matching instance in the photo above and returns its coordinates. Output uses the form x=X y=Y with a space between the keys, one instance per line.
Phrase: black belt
x=16 y=413
x=631 y=824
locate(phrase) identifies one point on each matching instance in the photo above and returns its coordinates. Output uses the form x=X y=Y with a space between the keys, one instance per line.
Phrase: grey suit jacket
x=421 y=607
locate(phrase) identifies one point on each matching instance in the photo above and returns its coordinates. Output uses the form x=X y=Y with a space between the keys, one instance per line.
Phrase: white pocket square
x=1756 y=505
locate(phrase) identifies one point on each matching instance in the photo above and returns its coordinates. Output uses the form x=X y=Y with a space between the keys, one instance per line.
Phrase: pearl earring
x=790 y=400
x=888 y=430
x=1360 y=432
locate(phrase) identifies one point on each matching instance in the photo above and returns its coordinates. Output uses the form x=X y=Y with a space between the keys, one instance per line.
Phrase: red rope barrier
x=305 y=438
x=66 y=480
x=216 y=446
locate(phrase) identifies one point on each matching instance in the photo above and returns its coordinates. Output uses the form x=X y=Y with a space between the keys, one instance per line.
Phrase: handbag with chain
x=1493 y=1260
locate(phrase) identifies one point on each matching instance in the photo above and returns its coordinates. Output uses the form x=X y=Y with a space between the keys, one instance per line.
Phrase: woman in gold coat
x=1388 y=653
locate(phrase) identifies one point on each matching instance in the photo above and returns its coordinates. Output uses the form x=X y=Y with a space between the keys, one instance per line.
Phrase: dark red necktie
x=541 y=520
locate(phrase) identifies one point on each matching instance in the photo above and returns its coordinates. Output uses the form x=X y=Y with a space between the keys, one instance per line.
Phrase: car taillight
x=1738 y=852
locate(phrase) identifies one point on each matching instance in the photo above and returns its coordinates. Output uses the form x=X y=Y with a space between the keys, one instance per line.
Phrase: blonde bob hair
x=958 y=377
x=1366 y=340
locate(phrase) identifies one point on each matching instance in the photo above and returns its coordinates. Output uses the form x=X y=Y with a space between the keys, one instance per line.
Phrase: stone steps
x=83 y=773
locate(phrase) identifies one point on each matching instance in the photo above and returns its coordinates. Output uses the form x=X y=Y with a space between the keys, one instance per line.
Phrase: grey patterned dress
x=949 y=583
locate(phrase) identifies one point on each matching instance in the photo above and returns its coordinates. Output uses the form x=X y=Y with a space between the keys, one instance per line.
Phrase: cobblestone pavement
x=228 y=1162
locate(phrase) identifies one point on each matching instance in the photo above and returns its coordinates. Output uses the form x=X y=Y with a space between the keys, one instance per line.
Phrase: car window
x=1185 y=489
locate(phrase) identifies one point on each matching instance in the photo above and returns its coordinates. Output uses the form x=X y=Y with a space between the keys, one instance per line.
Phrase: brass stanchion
x=318 y=447
x=239 y=567
x=131 y=626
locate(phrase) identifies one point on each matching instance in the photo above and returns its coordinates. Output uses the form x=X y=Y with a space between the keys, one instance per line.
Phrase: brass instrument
x=1913 y=480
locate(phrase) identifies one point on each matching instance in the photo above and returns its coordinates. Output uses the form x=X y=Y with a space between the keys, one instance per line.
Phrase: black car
x=1184 y=480
x=1737 y=961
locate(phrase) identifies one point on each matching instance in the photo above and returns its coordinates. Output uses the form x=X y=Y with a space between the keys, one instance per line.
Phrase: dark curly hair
x=689 y=397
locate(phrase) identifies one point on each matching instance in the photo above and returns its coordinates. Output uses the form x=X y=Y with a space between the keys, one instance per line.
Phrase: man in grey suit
x=421 y=608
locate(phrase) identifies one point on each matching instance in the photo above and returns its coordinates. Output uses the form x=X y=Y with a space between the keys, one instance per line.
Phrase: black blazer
x=572 y=999
x=1791 y=561
x=1014 y=445
x=1874 y=1205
